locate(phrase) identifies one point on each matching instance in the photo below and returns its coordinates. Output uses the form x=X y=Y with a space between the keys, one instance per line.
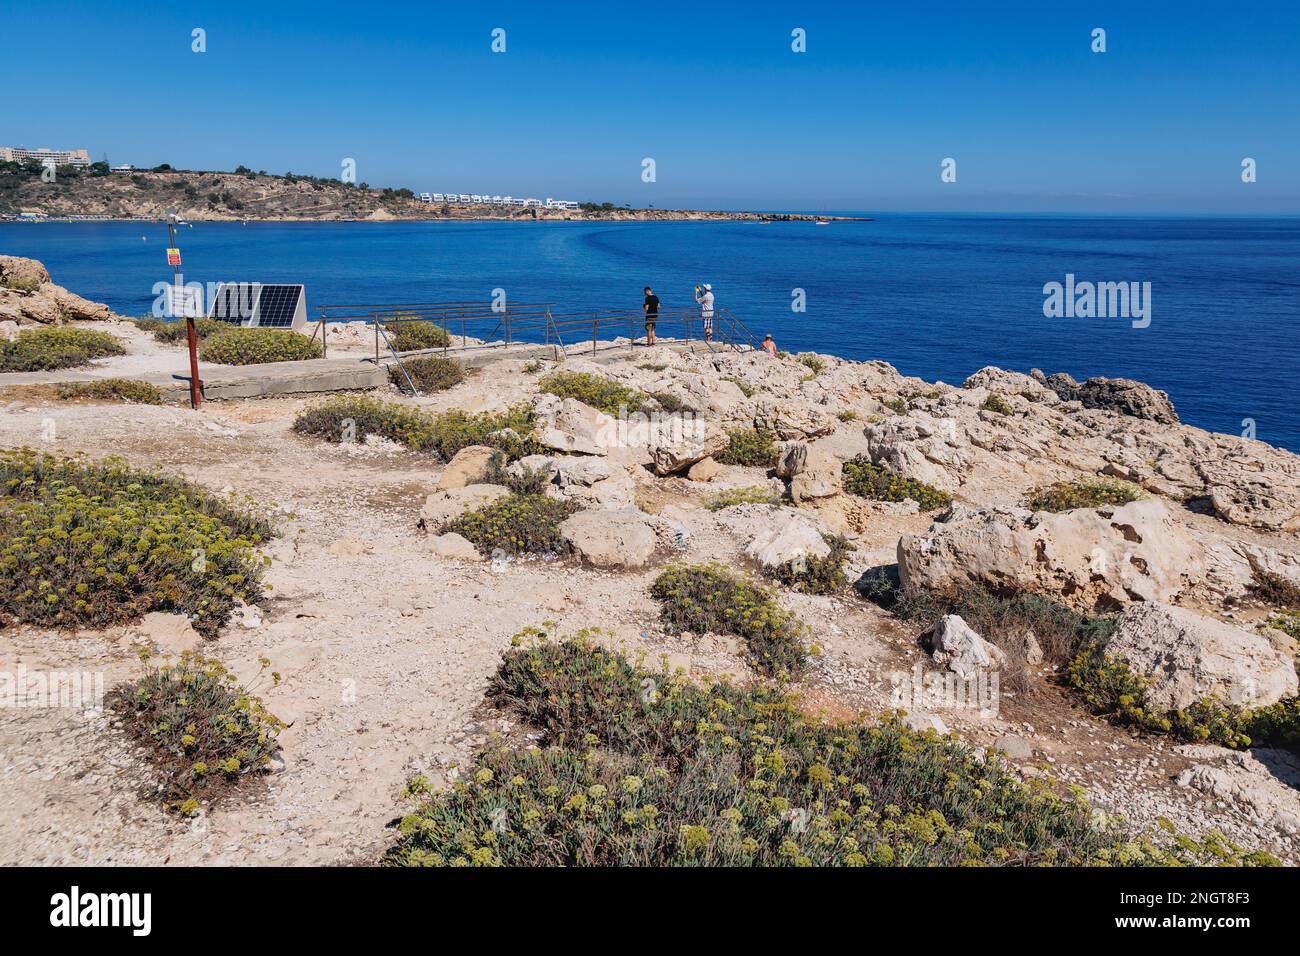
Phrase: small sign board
x=173 y=257
x=185 y=302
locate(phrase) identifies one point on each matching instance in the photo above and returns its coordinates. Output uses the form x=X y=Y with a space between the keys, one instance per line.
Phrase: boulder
x=443 y=506
x=1186 y=657
x=1088 y=558
x=47 y=303
x=583 y=472
x=935 y=451
x=921 y=722
x=792 y=458
x=956 y=645
x=467 y=467
x=790 y=420
x=706 y=469
x=822 y=476
x=1015 y=747
x=1122 y=395
x=611 y=539
x=677 y=452
x=454 y=546
x=787 y=538
x=570 y=426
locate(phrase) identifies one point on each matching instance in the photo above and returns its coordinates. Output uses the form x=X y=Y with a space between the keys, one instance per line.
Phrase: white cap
x=708 y=287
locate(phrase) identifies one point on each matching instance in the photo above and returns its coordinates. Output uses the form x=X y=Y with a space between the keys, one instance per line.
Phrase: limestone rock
x=611 y=539
x=454 y=546
x=935 y=451
x=791 y=459
x=47 y=303
x=822 y=476
x=788 y=537
x=920 y=723
x=570 y=426
x=1086 y=558
x=792 y=420
x=1187 y=657
x=706 y=469
x=1122 y=395
x=443 y=506
x=166 y=633
x=467 y=467
x=956 y=646
x=673 y=453
x=1015 y=747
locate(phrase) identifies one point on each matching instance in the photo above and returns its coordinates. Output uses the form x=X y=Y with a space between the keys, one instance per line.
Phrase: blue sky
x=732 y=117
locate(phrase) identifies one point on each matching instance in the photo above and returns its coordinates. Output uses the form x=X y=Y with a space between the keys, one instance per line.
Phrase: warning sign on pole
x=173 y=257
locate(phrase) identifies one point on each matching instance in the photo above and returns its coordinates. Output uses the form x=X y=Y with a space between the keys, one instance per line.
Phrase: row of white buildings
x=44 y=155
x=484 y=200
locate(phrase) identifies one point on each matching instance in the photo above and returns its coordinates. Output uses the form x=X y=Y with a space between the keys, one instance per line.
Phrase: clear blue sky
x=713 y=92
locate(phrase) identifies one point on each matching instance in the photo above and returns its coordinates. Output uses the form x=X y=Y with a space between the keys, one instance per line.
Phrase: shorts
x=708 y=324
x=650 y=321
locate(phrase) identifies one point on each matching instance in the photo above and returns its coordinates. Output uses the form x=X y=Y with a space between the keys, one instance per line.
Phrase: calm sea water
x=936 y=296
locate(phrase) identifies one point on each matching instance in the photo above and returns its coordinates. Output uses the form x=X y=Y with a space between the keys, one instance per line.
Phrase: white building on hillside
x=61 y=157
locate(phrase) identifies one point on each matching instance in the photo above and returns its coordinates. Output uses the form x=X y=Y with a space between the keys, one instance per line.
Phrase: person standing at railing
x=704 y=296
x=651 y=308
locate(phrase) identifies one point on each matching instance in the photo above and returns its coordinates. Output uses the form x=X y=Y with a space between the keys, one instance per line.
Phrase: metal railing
x=533 y=323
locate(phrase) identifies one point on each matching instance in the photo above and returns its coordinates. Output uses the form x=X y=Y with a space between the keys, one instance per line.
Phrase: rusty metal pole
x=191 y=336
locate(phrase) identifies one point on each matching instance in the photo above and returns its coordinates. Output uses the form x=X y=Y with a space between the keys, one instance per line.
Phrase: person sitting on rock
x=768 y=345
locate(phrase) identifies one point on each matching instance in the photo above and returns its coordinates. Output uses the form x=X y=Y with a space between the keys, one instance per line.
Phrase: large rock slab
x=1187 y=657
x=790 y=420
x=673 y=453
x=442 y=506
x=611 y=539
x=821 y=476
x=1088 y=558
x=570 y=426
x=787 y=538
x=466 y=467
x=47 y=303
x=935 y=451
x=1122 y=395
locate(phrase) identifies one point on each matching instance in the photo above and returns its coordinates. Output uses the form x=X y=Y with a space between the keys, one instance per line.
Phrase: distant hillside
x=245 y=194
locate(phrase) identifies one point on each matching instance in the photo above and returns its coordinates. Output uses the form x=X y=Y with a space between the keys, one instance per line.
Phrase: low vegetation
x=411 y=336
x=52 y=347
x=811 y=361
x=1288 y=622
x=516 y=524
x=751 y=447
x=868 y=480
x=92 y=545
x=1076 y=643
x=172 y=331
x=813 y=575
x=203 y=731
x=1274 y=590
x=433 y=373
x=753 y=495
x=111 y=389
x=708 y=597
x=998 y=405
x=745 y=388
x=347 y=418
x=597 y=391
x=1090 y=492
x=522 y=480
x=637 y=767
x=240 y=346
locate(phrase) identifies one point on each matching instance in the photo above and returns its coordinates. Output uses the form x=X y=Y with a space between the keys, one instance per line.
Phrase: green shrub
x=753 y=495
x=56 y=346
x=239 y=346
x=811 y=361
x=18 y=284
x=745 y=388
x=411 y=336
x=867 y=480
x=172 y=331
x=517 y=524
x=848 y=415
x=526 y=481
x=432 y=373
x=202 y=730
x=670 y=403
x=119 y=389
x=352 y=417
x=897 y=405
x=1287 y=621
x=643 y=768
x=1084 y=493
x=600 y=393
x=750 y=447
x=708 y=597
x=98 y=544
x=998 y=404
x=813 y=575
x=1112 y=689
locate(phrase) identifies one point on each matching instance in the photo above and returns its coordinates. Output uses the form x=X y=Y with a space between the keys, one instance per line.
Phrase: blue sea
x=937 y=296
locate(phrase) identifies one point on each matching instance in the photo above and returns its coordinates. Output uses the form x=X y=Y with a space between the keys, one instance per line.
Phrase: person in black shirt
x=651 y=308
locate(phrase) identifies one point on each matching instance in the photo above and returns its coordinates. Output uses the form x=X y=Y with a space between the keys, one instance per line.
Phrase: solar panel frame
x=277 y=306
x=258 y=305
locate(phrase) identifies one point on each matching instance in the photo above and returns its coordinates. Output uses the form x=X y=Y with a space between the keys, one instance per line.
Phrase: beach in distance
x=939 y=296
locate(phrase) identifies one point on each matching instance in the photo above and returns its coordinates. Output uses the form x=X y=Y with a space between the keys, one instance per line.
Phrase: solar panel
x=262 y=306
x=277 y=306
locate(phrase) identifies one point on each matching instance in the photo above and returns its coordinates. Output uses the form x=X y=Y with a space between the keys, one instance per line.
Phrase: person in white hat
x=704 y=296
